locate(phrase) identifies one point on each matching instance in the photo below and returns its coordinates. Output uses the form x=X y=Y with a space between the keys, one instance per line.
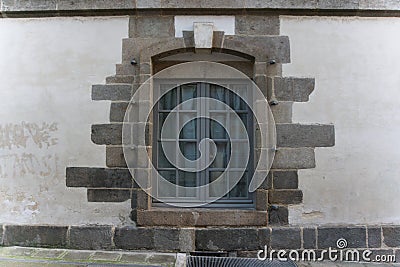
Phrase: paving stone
x=354 y=236
x=49 y=253
x=90 y=237
x=278 y=215
x=285 y=238
x=99 y=177
x=151 y=26
x=285 y=196
x=114 y=92
x=74 y=255
x=294 y=158
x=285 y=180
x=33 y=236
x=301 y=135
x=391 y=236
x=105 y=256
x=227 y=239
x=17 y=252
x=131 y=238
x=374 y=237
x=108 y=195
x=257 y=25
x=107 y=134
x=309 y=238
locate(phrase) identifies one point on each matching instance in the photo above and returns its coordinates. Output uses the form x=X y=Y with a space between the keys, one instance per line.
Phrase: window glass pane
x=168 y=101
x=163 y=162
x=189 y=130
x=221 y=159
x=189 y=151
x=188 y=91
x=165 y=189
x=217 y=188
x=187 y=179
x=236 y=129
x=217 y=131
x=218 y=93
x=235 y=99
x=169 y=130
x=240 y=190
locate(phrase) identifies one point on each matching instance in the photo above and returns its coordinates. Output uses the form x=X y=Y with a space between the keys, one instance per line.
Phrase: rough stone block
x=261 y=199
x=35 y=236
x=285 y=180
x=309 y=238
x=115 y=157
x=107 y=134
x=294 y=158
x=108 y=195
x=355 y=236
x=126 y=69
x=117 y=111
x=257 y=25
x=132 y=238
x=187 y=239
x=299 y=135
x=282 y=112
x=99 y=178
x=278 y=215
x=1 y=235
x=333 y=4
x=293 y=89
x=391 y=236
x=166 y=239
x=94 y=4
x=29 y=5
x=120 y=79
x=90 y=237
x=263 y=48
x=285 y=196
x=379 y=5
x=267 y=183
x=227 y=239
x=140 y=200
x=285 y=238
x=374 y=237
x=113 y=92
x=151 y=26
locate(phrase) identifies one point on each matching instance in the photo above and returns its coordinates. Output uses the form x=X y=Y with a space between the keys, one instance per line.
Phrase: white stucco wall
x=356 y=63
x=47 y=68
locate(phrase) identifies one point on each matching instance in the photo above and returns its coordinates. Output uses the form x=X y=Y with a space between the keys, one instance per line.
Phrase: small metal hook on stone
x=133 y=62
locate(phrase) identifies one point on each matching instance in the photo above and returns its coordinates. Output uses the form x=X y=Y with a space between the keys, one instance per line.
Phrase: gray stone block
x=267 y=183
x=261 y=199
x=309 y=238
x=107 y=134
x=391 y=236
x=126 y=69
x=263 y=48
x=1 y=235
x=299 y=135
x=293 y=89
x=282 y=112
x=285 y=196
x=257 y=25
x=120 y=79
x=379 y=5
x=113 y=92
x=285 y=180
x=284 y=4
x=374 y=237
x=294 y=158
x=115 y=157
x=285 y=238
x=90 y=237
x=227 y=239
x=99 y=177
x=278 y=215
x=343 y=5
x=166 y=239
x=35 y=236
x=132 y=238
x=94 y=4
x=108 y=195
x=151 y=26
x=187 y=239
x=29 y=5
x=355 y=236
x=117 y=111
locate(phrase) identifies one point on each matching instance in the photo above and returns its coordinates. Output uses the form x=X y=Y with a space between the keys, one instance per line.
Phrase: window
x=188 y=141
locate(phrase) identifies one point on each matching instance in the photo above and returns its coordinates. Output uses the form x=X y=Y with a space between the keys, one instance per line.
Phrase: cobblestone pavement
x=38 y=257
